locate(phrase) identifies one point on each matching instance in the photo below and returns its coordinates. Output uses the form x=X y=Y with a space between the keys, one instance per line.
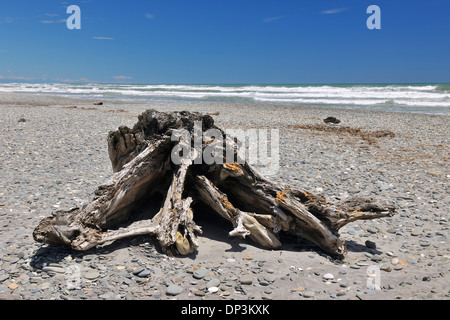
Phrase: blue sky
x=225 y=42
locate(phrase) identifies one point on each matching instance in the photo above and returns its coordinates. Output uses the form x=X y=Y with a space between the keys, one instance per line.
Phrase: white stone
x=213 y=289
x=328 y=276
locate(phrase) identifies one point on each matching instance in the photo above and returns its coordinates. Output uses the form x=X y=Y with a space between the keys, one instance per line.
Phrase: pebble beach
x=54 y=154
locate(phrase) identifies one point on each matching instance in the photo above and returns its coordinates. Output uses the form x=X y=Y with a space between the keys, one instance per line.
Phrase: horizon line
x=3 y=81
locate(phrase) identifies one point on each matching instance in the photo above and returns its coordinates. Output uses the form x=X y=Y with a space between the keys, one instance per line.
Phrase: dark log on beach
x=153 y=193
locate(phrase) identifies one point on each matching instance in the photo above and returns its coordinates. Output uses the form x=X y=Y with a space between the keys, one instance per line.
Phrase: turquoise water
x=421 y=98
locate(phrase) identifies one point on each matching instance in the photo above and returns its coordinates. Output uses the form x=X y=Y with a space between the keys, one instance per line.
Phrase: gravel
x=56 y=158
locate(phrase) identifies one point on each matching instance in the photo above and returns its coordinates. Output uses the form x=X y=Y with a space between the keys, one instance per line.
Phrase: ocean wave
x=366 y=102
x=425 y=96
x=263 y=92
x=444 y=88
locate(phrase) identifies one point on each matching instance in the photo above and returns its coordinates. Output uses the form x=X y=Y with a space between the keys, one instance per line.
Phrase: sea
x=415 y=98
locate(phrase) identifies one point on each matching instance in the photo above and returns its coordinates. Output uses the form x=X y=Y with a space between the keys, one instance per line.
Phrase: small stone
x=255 y=270
x=200 y=273
x=328 y=276
x=144 y=274
x=372 y=230
x=13 y=286
x=199 y=293
x=231 y=260
x=370 y=244
x=53 y=269
x=394 y=260
x=174 y=290
x=270 y=278
x=213 y=289
x=268 y=291
x=263 y=282
x=368 y=255
x=246 y=279
x=376 y=258
x=386 y=268
x=332 y=120
x=308 y=294
x=104 y=296
x=91 y=274
x=24 y=277
x=213 y=283
x=425 y=243
x=3 y=277
x=137 y=271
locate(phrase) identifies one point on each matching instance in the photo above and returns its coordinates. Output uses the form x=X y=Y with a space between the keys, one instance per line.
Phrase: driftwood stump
x=146 y=177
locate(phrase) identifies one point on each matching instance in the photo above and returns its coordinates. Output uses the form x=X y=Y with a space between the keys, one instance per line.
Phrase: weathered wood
x=145 y=174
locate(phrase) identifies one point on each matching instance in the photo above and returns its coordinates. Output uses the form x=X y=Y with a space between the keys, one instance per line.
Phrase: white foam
x=364 y=95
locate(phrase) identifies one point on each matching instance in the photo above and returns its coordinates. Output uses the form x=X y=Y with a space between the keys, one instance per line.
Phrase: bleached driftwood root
x=146 y=177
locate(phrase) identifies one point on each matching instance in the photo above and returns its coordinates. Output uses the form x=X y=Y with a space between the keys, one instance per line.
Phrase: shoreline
x=30 y=99
x=58 y=156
